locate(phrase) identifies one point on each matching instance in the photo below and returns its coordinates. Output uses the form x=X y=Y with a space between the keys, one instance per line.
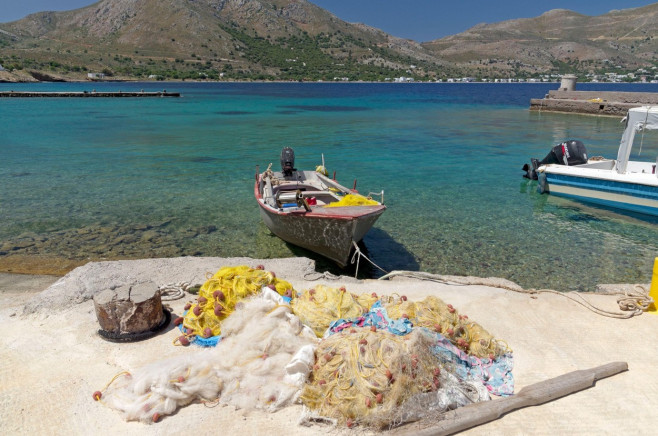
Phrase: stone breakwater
x=84 y=94
x=611 y=103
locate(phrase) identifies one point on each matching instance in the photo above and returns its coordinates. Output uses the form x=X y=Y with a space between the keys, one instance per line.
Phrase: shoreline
x=54 y=351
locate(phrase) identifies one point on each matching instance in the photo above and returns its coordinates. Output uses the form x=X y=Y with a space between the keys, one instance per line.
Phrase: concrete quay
x=612 y=103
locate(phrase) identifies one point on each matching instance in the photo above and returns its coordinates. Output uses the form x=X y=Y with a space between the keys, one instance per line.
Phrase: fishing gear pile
x=218 y=297
x=367 y=360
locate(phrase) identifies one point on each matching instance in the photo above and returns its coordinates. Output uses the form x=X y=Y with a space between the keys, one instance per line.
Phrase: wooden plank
x=476 y=414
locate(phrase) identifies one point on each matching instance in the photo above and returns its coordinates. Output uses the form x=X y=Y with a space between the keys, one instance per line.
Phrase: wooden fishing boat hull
x=329 y=232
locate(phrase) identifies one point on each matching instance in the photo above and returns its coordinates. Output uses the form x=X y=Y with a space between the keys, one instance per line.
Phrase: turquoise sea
x=159 y=177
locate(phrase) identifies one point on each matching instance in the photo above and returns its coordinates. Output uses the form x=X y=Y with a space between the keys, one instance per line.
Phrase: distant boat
x=617 y=183
x=310 y=210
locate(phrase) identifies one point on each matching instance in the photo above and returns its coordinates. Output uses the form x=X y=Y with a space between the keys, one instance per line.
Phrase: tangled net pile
x=219 y=295
x=362 y=375
x=432 y=313
x=372 y=367
x=381 y=360
x=320 y=306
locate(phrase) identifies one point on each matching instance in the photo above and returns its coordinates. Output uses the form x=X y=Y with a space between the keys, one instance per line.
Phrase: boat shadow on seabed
x=378 y=246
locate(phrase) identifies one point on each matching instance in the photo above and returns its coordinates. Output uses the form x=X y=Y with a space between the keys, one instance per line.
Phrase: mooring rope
x=358 y=254
x=173 y=291
x=630 y=303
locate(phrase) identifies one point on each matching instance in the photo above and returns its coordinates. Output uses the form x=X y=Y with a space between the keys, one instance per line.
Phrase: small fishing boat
x=617 y=183
x=313 y=211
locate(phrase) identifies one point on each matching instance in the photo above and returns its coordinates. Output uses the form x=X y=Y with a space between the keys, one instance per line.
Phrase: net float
x=219 y=295
x=197 y=310
x=97 y=395
x=184 y=341
x=178 y=321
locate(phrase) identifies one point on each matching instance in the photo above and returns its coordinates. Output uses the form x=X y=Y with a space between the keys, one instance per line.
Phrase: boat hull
x=630 y=196
x=329 y=232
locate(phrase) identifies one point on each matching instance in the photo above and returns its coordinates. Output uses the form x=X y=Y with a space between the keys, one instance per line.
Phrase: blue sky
x=421 y=20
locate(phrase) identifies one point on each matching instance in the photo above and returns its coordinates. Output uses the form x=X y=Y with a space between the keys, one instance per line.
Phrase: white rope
x=358 y=255
x=318 y=275
x=173 y=291
x=630 y=303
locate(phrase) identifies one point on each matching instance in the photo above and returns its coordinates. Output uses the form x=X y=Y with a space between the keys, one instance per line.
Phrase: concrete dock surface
x=53 y=359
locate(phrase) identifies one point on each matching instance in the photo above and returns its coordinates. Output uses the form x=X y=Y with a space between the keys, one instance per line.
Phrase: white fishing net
x=262 y=362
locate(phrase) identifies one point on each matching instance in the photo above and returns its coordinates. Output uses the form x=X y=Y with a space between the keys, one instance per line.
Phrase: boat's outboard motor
x=571 y=152
x=287 y=161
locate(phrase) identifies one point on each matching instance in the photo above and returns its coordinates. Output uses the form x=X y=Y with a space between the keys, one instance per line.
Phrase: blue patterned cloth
x=496 y=374
x=378 y=317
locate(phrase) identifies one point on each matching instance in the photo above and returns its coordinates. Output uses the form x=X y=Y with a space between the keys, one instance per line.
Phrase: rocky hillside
x=283 y=39
x=558 y=39
x=296 y=40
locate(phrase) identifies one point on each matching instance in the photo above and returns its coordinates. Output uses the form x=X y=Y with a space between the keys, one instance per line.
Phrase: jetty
x=612 y=103
x=94 y=93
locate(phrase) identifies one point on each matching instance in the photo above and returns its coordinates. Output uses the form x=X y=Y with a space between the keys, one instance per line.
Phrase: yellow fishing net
x=320 y=306
x=362 y=375
x=443 y=318
x=353 y=200
x=221 y=292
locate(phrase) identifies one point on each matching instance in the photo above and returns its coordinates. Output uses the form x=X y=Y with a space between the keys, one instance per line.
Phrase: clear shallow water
x=129 y=178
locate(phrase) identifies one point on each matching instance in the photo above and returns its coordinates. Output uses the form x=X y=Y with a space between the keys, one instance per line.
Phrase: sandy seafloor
x=53 y=359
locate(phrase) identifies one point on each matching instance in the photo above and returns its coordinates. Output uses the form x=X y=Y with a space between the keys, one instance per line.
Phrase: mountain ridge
x=297 y=40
